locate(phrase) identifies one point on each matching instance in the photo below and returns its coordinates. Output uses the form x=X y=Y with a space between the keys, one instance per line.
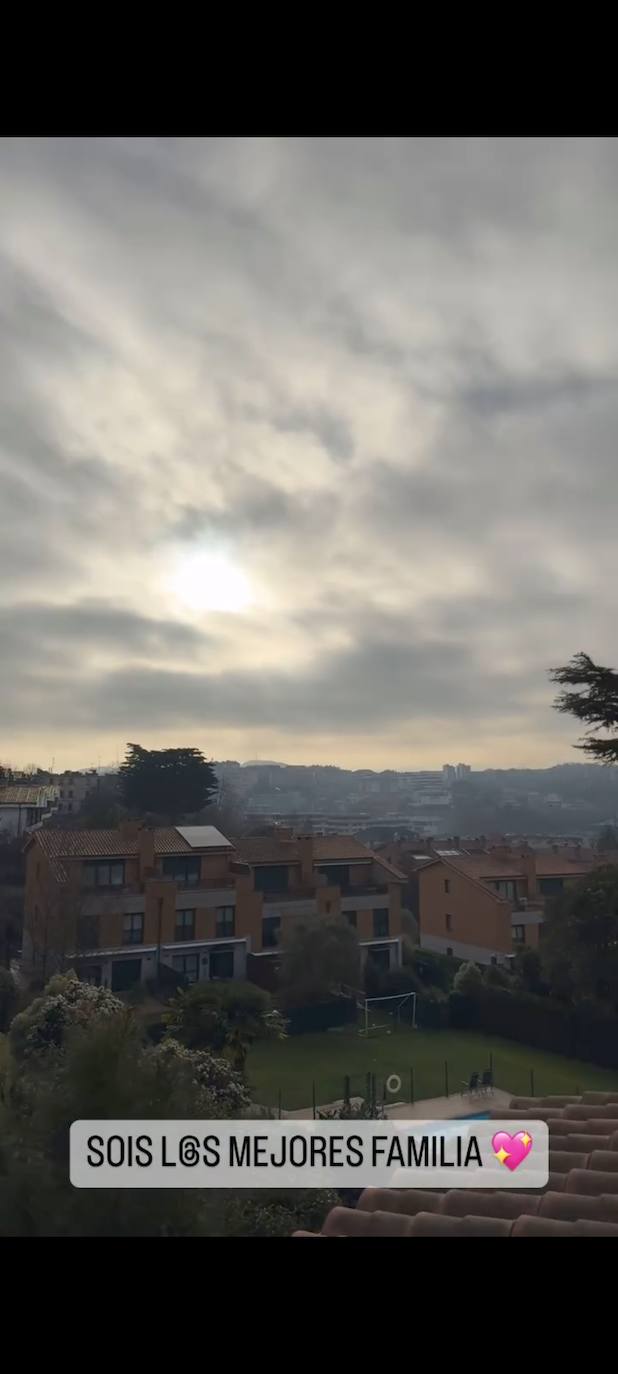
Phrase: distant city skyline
x=307 y=446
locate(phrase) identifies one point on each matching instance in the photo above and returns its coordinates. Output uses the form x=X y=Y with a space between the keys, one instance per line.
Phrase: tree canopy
x=316 y=959
x=580 y=939
x=224 y=1018
x=166 y=782
x=590 y=693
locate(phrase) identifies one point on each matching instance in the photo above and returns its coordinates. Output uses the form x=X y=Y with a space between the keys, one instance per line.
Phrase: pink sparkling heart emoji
x=511 y=1149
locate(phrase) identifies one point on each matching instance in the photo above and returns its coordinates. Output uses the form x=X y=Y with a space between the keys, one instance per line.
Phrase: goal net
x=387 y=1013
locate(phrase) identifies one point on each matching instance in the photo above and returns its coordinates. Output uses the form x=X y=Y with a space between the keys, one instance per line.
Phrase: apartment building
x=121 y=904
x=73 y=788
x=486 y=904
x=25 y=806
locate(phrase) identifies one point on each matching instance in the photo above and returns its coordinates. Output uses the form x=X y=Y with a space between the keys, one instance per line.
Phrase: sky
x=307 y=447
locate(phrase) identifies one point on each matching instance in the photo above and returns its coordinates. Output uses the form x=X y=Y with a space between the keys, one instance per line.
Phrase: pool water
x=475 y=1116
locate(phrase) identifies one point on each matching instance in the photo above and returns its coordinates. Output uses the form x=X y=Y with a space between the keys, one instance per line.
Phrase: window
x=551 y=887
x=110 y=874
x=449 y=949
x=188 y=965
x=449 y=922
x=133 y=928
x=447 y=884
x=505 y=888
x=271 y=931
x=69 y=806
x=351 y=918
x=70 y=791
x=224 y=926
x=271 y=878
x=222 y=963
x=185 y=871
x=125 y=974
x=493 y=959
x=380 y=922
x=337 y=875
x=185 y=925
x=519 y=935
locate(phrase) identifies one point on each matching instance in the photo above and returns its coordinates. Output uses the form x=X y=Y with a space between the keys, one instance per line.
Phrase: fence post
x=411 y=1084
x=532 y=1082
x=446 y=1077
x=373 y=1091
x=313 y=1097
x=491 y=1064
x=368 y=1088
x=279 y=1099
x=346 y=1089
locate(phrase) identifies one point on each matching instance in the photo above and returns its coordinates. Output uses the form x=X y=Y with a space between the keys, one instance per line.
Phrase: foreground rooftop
x=581 y=1198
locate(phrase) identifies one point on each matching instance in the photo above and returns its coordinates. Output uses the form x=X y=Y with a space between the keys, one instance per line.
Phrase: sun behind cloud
x=204 y=581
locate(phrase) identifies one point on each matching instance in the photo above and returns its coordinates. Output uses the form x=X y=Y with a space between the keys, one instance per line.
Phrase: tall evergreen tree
x=170 y=783
x=590 y=693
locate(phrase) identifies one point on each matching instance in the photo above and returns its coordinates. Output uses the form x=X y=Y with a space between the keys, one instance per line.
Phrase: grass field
x=291 y=1066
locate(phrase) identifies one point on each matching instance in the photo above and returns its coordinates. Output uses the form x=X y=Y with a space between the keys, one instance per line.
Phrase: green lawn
x=291 y=1066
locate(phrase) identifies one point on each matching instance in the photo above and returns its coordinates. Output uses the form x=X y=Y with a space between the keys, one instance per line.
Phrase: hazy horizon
x=307 y=447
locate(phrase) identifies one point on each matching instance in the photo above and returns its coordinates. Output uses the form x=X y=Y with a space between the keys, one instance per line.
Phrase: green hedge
x=580 y=1033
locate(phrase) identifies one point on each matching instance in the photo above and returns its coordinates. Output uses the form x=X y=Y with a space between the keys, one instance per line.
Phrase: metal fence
x=412 y=1084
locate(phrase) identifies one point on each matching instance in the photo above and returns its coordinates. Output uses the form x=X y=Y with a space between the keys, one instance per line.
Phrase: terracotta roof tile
x=580 y=1198
x=272 y=849
x=562 y=1161
x=16 y=795
x=606 y=1160
x=95 y=844
x=593 y=1181
x=410 y=1201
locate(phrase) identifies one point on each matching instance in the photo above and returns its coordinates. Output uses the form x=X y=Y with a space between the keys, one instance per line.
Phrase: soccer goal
x=387 y=1013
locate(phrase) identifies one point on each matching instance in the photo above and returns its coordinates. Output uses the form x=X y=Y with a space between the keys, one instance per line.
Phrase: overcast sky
x=308 y=449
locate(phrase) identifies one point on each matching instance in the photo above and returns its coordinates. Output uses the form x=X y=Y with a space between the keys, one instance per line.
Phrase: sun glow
x=211 y=582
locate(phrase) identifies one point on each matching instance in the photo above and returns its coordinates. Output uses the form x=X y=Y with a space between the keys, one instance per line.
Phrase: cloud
x=378 y=376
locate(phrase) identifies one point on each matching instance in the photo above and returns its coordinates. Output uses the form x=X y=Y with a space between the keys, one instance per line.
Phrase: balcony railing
x=364 y=890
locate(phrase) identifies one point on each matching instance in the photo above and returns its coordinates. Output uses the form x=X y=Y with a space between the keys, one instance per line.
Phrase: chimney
x=129 y=830
x=528 y=864
x=146 y=851
x=305 y=850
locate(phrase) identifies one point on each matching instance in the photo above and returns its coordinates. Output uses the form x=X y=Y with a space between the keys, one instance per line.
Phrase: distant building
x=73 y=788
x=485 y=904
x=24 y=806
x=463 y=770
x=130 y=905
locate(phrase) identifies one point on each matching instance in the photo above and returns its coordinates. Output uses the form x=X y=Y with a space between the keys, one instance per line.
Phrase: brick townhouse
x=119 y=904
x=485 y=904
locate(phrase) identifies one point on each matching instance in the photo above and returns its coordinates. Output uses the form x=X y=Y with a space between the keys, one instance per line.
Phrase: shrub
x=66 y=1004
x=496 y=977
x=278 y=1213
x=8 y=998
x=224 y=1017
x=468 y=979
x=434 y=970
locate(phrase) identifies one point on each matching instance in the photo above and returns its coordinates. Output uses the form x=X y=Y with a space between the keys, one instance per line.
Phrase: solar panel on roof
x=203 y=837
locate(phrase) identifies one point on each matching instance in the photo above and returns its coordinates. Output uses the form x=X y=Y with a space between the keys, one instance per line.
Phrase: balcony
x=364 y=890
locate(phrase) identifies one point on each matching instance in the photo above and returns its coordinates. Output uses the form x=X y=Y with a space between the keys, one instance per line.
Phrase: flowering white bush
x=66 y=1003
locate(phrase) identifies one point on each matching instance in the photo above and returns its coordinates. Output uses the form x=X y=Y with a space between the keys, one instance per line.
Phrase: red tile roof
x=272 y=849
x=17 y=795
x=103 y=844
x=581 y=1198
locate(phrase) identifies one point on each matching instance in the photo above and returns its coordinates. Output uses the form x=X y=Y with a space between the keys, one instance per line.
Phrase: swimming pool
x=475 y=1116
